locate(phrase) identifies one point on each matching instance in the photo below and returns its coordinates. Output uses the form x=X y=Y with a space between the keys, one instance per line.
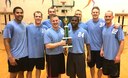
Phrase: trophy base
x=68 y=46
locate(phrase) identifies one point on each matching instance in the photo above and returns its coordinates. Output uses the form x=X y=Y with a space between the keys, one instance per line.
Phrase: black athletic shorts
x=76 y=65
x=55 y=65
x=110 y=68
x=39 y=63
x=95 y=59
x=22 y=65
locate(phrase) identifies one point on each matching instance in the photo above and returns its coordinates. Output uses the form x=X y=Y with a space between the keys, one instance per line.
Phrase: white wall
x=30 y=6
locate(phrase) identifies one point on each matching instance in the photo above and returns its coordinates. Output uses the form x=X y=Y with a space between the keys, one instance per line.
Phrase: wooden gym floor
x=4 y=68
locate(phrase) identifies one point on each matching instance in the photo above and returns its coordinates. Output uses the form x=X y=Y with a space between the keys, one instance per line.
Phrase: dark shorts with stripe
x=55 y=65
x=96 y=59
x=22 y=65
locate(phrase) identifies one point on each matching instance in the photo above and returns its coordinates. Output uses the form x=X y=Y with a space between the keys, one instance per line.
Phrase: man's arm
x=102 y=52
x=54 y=45
x=88 y=52
x=7 y=47
x=120 y=50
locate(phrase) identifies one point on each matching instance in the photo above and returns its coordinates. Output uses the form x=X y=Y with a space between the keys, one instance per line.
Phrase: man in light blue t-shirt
x=54 y=49
x=113 y=44
x=35 y=37
x=76 y=55
x=94 y=28
x=15 y=42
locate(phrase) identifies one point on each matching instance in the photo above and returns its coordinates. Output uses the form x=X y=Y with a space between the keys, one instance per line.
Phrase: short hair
x=17 y=7
x=78 y=10
x=76 y=17
x=96 y=7
x=54 y=15
x=109 y=11
x=51 y=8
x=37 y=12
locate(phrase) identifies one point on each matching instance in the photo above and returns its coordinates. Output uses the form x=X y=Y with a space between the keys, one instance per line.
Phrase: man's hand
x=69 y=41
x=88 y=58
x=101 y=53
x=62 y=42
x=117 y=25
x=117 y=59
x=12 y=61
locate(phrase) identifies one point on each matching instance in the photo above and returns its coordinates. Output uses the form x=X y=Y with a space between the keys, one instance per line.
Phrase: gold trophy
x=66 y=30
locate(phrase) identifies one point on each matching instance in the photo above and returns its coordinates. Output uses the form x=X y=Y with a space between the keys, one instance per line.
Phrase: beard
x=19 y=18
x=108 y=21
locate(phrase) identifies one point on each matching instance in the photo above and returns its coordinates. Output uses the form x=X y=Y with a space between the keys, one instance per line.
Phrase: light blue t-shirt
x=35 y=37
x=49 y=25
x=94 y=30
x=53 y=36
x=17 y=33
x=81 y=24
x=79 y=37
x=111 y=38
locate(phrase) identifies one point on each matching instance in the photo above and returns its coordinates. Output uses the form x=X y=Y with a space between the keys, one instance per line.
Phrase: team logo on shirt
x=81 y=34
x=114 y=31
x=102 y=24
